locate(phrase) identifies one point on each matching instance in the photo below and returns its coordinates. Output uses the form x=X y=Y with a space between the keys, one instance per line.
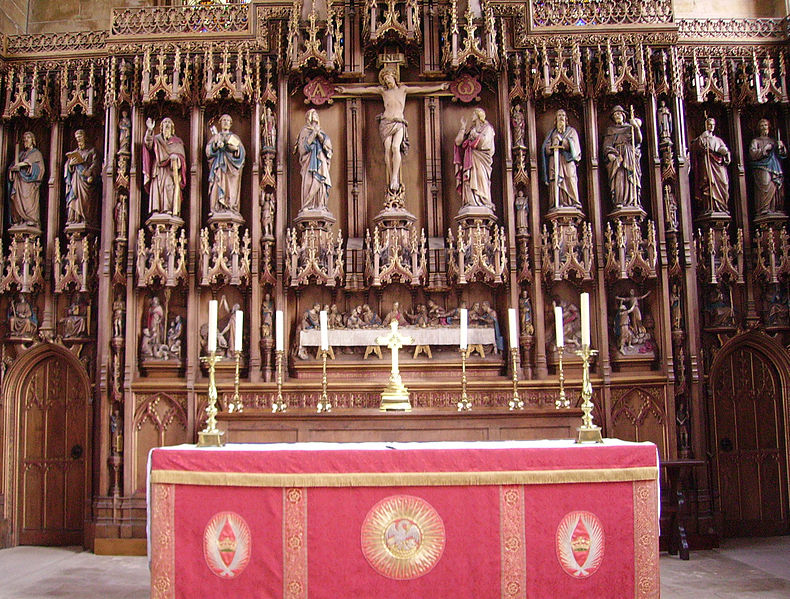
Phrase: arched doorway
x=749 y=438
x=48 y=448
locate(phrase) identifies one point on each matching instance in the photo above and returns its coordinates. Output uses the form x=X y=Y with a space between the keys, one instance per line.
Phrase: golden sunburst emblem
x=402 y=537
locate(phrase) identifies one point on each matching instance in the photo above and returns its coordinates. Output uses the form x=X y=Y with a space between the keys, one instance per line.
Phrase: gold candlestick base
x=235 y=404
x=324 y=405
x=562 y=401
x=516 y=403
x=588 y=432
x=464 y=405
x=211 y=436
x=279 y=405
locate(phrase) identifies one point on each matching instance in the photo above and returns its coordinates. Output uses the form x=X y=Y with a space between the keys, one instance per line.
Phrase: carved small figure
x=369 y=317
x=174 y=334
x=164 y=168
x=395 y=314
x=675 y=310
x=155 y=322
x=473 y=157
x=227 y=328
x=315 y=154
x=671 y=207
x=24 y=182
x=22 y=320
x=267 y=214
x=765 y=155
x=267 y=317
x=311 y=318
x=525 y=313
x=518 y=124
x=522 y=211
x=124 y=133
x=710 y=157
x=226 y=154
x=561 y=152
x=622 y=149
x=634 y=310
x=269 y=129
x=664 y=123
x=718 y=308
x=81 y=173
x=118 y=313
x=120 y=215
x=75 y=323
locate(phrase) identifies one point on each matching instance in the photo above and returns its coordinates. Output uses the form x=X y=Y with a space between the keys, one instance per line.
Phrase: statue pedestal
x=225 y=217
x=628 y=213
x=165 y=220
x=22 y=230
x=319 y=219
x=473 y=216
x=770 y=220
x=394 y=217
x=567 y=245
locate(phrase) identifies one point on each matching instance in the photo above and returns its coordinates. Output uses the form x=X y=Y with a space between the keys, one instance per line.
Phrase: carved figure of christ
x=393 y=126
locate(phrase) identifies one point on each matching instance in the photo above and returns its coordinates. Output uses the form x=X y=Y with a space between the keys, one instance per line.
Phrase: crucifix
x=395 y=395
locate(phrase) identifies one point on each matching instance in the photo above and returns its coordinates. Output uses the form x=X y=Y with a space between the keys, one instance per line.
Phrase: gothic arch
x=13 y=382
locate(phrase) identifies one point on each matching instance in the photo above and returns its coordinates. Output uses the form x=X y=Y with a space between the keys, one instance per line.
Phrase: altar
x=375 y=520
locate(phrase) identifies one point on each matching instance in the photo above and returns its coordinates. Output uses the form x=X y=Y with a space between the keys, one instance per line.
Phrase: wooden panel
x=418 y=425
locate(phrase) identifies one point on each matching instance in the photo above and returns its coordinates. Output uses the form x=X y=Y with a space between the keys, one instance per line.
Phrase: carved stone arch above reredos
x=159 y=419
x=639 y=414
x=15 y=379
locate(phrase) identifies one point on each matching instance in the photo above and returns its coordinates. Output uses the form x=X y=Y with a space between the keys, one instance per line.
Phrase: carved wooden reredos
x=186 y=154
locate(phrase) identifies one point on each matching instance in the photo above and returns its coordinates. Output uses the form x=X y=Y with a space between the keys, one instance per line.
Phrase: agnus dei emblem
x=227 y=544
x=580 y=544
x=403 y=537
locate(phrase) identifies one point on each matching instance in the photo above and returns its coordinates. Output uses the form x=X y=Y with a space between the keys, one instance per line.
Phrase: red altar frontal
x=373 y=520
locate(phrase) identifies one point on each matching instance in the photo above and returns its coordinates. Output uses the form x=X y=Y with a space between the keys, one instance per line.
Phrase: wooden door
x=749 y=433
x=53 y=454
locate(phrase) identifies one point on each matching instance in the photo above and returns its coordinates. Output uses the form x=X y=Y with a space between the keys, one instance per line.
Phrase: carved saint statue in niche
x=120 y=213
x=22 y=320
x=24 y=183
x=664 y=123
x=226 y=155
x=710 y=157
x=518 y=124
x=393 y=126
x=269 y=129
x=622 y=147
x=267 y=317
x=525 y=313
x=164 y=168
x=765 y=155
x=124 y=133
x=561 y=152
x=155 y=323
x=522 y=211
x=226 y=329
x=571 y=322
x=82 y=173
x=473 y=157
x=75 y=323
x=315 y=155
x=174 y=334
x=118 y=315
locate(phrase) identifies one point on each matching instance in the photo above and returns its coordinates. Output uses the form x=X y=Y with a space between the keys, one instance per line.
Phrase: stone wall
x=13 y=16
x=48 y=16
x=729 y=9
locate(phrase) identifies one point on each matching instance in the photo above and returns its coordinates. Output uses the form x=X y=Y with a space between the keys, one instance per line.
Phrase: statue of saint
x=124 y=133
x=622 y=147
x=225 y=153
x=118 y=316
x=22 y=321
x=560 y=153
x=473 y=159
x=765 y=155
x=709 y=158
x=522 y=211
x=24 y=182
x=155 y=322
x=525 y=313
x=75 y=322
x=82 y=173
x=267 y=317
x=120 y=215
x=315 y=154
x=393 y=126
x=164 y=167
x=664 y=123
x=518 y=124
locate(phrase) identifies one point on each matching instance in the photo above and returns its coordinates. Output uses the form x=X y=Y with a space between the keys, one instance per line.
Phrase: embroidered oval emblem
x=226 y=544
x=402 y=537
x=580 y=544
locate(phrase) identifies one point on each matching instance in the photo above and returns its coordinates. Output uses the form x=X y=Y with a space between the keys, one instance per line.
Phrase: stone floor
x=742 y=568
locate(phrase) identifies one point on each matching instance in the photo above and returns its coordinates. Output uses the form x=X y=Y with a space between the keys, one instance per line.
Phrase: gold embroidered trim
x=413 y=479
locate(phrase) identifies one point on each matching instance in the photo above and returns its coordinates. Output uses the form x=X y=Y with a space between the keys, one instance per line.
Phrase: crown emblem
x=580 y=544
x=226 y=545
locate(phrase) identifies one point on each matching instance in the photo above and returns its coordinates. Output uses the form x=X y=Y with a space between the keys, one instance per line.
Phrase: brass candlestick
x=562 y=400
x=236 y=403
x=516 y=403
x=588 y=432
x=278 y=405
x=464 y=405
x=323 y=403
x=211 y=436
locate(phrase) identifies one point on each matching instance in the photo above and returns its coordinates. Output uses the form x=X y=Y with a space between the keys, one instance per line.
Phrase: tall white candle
x=239 y=333
x=558 y=333
x=279 y=334
x=212 y=326
x=324 y=330
x=511 y=312
x=464 y=317
x=585 y=318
